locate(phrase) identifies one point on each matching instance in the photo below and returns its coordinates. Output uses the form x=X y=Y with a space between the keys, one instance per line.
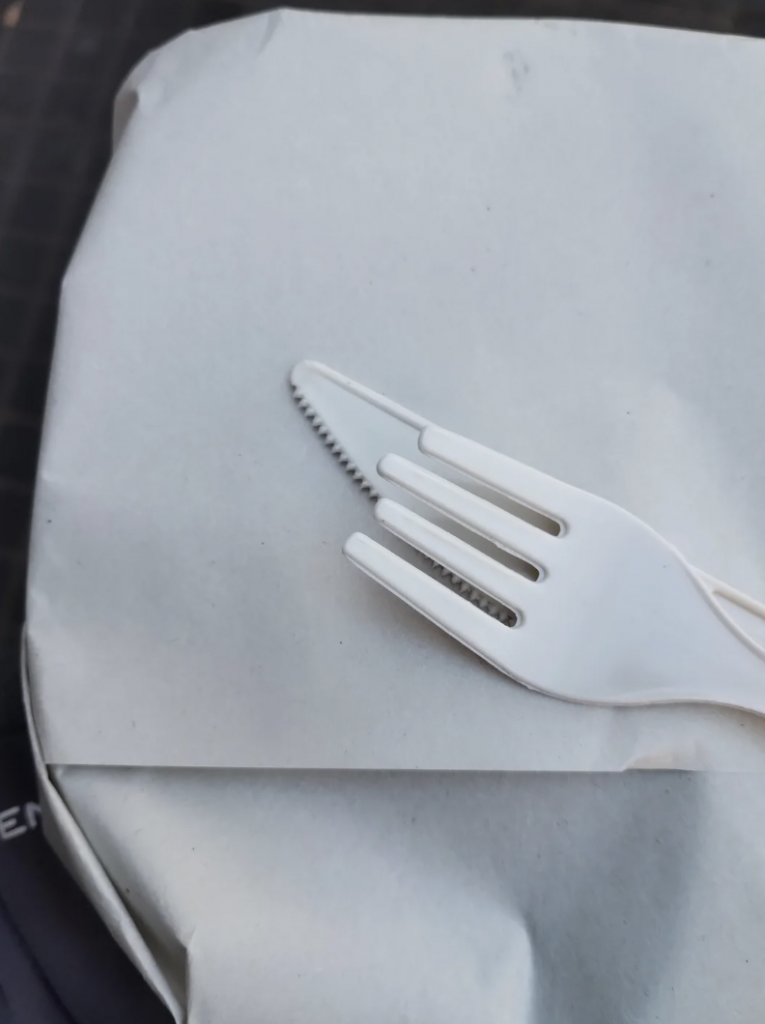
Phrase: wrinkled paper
x=547 y=236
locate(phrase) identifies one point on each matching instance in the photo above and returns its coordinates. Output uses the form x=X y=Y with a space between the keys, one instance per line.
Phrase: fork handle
x=715 y=587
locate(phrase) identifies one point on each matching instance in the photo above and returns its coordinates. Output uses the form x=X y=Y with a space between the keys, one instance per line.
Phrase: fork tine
x=493 y=523
x=508 y=587
x=475 y=629
x=523 y=483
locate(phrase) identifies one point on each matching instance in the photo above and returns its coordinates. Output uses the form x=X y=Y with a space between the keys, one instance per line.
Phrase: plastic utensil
x=360 y=426
x=616 y=615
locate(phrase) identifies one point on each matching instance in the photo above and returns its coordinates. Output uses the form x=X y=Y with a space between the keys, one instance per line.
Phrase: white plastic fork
x=617 y=616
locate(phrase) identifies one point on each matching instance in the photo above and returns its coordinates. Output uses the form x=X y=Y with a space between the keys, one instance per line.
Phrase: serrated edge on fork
x=466 y=590
x=331 y=442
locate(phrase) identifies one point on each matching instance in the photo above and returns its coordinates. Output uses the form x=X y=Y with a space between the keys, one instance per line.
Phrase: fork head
x=602 y=619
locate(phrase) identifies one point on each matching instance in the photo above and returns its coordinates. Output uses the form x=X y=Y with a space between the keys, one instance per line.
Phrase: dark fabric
x=11 y=706
x=24 y=993
x=58 y=962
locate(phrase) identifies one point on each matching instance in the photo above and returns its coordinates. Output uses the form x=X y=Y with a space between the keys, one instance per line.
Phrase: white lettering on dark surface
x=11 y=823
x=32 y=813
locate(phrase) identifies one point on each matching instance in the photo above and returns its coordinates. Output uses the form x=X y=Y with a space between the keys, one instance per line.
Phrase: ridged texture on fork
x=476 y=597
x=332 y=443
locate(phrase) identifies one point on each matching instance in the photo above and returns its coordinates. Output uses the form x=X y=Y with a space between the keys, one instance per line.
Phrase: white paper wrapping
x=538 y=899
x=563 y=262
x=547 y=236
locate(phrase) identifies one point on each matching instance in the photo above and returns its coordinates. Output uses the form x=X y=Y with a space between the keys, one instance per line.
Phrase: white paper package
x=291 y=797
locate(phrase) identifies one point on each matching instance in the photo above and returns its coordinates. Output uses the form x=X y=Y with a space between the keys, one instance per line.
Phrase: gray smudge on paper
x=516 y=69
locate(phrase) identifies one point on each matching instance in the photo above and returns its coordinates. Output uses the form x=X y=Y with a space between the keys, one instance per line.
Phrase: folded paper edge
x=69 y=842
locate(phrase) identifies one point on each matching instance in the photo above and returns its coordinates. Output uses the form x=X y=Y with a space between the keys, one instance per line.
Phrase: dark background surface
x=61 y=62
